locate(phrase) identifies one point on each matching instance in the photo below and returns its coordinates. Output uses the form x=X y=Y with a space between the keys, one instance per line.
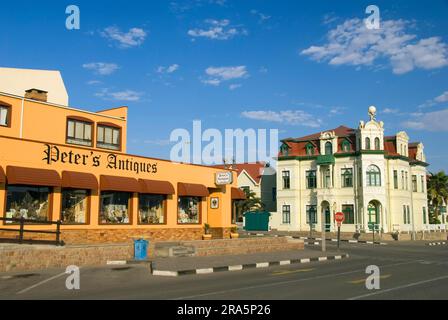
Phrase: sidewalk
x=203 y=265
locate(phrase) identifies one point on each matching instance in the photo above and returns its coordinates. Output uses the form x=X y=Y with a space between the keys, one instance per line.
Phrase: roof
x=341 y=131
x=17 y=81
x=254 y=170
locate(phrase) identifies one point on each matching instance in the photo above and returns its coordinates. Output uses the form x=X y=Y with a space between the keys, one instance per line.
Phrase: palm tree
x=437 y=192
x=251 y=203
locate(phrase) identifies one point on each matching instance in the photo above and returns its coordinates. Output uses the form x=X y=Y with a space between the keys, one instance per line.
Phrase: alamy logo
x=73 y=21
x=73 y=281
x=373 y=280
x=373 y=21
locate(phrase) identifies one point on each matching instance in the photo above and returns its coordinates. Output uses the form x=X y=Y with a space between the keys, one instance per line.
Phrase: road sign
x=339 y=218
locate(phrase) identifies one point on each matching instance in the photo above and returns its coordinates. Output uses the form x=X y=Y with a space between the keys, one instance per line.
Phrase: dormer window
x=309 y=149
x=4 y=116
x=284 y=149
x=79 y=131
x=109 y=137
x=345 y=146
x=328 y=148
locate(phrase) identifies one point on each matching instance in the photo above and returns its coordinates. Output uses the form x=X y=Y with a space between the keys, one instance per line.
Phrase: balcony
x=325 y=159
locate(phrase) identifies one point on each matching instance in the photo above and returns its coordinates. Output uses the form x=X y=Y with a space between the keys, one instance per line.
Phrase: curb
x=436 y=243
x=344 y=240
x=240 y=267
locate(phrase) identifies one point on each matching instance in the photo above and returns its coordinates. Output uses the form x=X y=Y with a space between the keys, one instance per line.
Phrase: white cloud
x=290 y=117
x=133 y=38
x=170 y=69
x=390 y=111
x=93 y=82
x=261 y=16
x=351 y=43
x=442 y=98
x=235 y=86
x=216 y=75
x=101 y=68
x=126 y=95
x=431 y=121
x=217 y=30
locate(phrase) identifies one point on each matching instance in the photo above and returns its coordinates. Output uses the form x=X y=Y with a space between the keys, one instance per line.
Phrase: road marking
x=204 y=271
x=214 y=293
x=41 y=283
x=280 y=273
x=364 y=280
x=398 y=288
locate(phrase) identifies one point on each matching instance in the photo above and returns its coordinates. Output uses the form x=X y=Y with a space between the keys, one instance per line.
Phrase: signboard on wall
x=224 y=178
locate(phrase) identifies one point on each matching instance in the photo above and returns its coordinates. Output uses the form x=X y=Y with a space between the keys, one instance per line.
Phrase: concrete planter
x=234 y=235
x=206 y=237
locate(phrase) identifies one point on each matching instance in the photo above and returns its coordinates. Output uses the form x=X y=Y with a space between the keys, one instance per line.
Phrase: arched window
x=328 y=148
x=373 y=176
x=345 y=146
x=309 y=149
x=377 y=144
x=367 y=143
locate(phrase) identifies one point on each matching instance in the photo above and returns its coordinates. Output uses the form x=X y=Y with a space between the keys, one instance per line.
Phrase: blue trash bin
x=141 y=249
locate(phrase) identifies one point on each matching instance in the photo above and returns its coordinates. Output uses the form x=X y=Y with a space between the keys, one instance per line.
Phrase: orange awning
x=34 y=177
x=192 y=190
x=238 y=194
x=2 y=176
x=113 y=183
x=80 y=180
x=156 y=187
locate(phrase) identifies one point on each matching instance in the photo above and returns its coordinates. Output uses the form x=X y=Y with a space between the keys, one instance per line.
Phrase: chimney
x=36 y=94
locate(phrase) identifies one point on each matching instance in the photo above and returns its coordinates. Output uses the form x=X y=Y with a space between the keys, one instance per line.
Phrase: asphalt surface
x=407 y=271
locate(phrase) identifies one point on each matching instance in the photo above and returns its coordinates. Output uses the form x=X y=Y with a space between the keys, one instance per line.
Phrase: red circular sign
x=339 y=217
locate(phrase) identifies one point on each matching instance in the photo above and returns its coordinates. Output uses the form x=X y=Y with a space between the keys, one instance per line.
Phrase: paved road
x=408 y=271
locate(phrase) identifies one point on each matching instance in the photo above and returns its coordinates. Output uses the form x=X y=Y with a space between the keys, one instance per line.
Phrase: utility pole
x=324 y=237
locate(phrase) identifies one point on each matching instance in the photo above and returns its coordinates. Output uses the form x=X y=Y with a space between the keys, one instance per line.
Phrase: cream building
x=379 y=182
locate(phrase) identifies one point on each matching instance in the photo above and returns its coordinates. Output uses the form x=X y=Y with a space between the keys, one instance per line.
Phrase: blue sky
x=297 y=66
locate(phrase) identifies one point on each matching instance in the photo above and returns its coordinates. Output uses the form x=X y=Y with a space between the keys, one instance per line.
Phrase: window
x=309 y=149
x=79 y=132
x=311 y=181
x=28 y=202
x=347 y=178
x=328 y=148
x=345 y=146
x=405 y=220
x=367 y=143
x=424 y=215
x=349 y=213
x=114 y=207
x=373 y=176
x=327 y=179
x=408 y=214
x=402 y=180
x=74 y=206
x=284 y=149
x=377 y=144
x=188 y=210
x=422 y=178
x=274 y=194
x=151 y=209
x=395 y=179
x=4 y=116
x=414 y=183
x=311 y=214
x=286 y=215
x=407 y=181
x=286 y=179
x=108 y=137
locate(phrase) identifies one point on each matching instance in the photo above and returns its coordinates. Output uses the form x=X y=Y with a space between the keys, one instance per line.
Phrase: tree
x=437 y=193
x=251 y=203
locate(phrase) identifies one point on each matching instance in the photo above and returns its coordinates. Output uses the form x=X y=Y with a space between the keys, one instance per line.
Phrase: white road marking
x=236 y=268
x=41 y=283
x=165 y=273
x=263 y=265
x=284 y=263
x=204 y=271
x=398 y=288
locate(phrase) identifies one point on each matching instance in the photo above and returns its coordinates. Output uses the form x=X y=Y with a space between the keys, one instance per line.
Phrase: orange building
x=62 y=163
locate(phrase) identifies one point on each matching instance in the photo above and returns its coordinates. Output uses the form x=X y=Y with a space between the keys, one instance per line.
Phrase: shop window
x=373 y=176
x=79 y=132
x=114 y=207
x=151 y=209
x=189 y=210
x=108 y=137
x=349 y=214
x=75 y=206
x=4 y=116
x=347 y=178
x=311 y=214
x=28 y=202
x=311 y=181
x=286 y=214
x=286 y=180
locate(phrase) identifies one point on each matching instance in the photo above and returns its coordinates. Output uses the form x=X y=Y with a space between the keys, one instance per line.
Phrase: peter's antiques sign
x=52 y=154
x=224 y=178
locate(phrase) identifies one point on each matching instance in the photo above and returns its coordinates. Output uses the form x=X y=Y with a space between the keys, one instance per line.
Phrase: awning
x=156 y=187
x=2 y=176
x=113 y=183
x=34 y=177
x=238 y=194
x=192 y=190
x=80 y=180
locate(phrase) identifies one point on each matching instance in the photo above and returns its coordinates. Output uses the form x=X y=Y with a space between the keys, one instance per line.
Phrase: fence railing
x=21 y=222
